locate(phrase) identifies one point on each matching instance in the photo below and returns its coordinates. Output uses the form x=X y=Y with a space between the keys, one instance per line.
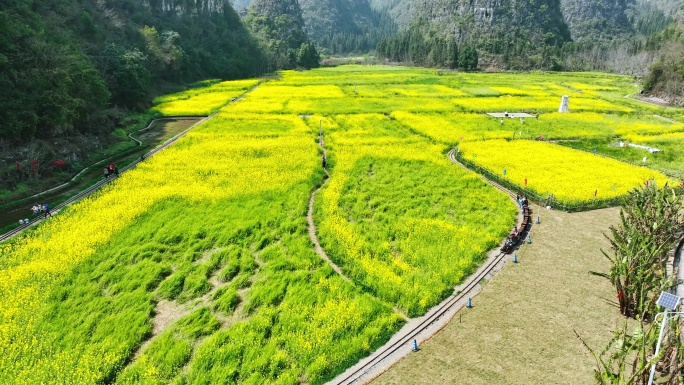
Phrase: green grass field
x=196 y=267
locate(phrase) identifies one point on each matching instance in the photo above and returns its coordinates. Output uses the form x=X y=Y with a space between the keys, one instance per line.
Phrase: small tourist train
x=518 y=234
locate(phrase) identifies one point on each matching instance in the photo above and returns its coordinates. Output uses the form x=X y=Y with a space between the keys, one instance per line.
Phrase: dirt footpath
x=520 y=330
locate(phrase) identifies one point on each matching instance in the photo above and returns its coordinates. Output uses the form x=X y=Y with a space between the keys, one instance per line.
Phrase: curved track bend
x=423 y=328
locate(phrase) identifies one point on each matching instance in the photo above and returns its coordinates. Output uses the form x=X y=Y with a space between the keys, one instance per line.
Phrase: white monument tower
x=565 y=104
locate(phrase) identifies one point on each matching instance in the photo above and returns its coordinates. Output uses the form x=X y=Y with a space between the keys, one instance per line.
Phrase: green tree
x=64 y=63
x=128 y=76
x=651 y=222
x=468 y=58
x=308 y=56
x=164 y=53
x=279 y=27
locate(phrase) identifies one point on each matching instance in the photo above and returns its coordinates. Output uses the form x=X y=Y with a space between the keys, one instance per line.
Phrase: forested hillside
x=279 y=27
x=70 y=66
x=346 y=26
x=597 y=19
x=340 y=26
x=516 y=33
x=624 y=36
x=67 y=65
x=669 y=7
x=666 y=77
x=401 y=11
x=240 y=4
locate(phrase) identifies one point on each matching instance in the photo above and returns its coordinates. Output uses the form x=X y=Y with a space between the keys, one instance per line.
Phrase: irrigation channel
x=423 y=328
x=158 y=131
x=89 y=173
x=57 y=193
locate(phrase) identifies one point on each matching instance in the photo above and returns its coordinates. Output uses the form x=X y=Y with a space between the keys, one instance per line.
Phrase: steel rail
x=434 y=315
x=101 y=183
x=404 y=341
x=18 y=230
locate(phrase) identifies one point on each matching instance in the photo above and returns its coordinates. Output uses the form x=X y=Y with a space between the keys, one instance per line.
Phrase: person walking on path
x=46 y=207
x=35 y=209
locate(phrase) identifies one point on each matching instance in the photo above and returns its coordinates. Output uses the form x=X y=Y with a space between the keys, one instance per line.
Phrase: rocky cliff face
x=278 y=23
x=597 y=19
x=240 y=4
x=189 y=7
x=402 y=11
x=192 y=6
x=328 y=17
x=669 y=7
x=483 y=20
x=275 y=8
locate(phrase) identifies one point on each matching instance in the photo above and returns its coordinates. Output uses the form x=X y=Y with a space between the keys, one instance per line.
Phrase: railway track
x=453 y=304
x=99 y=184
x=102 y=183
x=452 y=157
x=436 y=314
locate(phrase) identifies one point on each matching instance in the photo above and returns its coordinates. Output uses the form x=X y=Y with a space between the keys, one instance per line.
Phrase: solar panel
x=668 y=300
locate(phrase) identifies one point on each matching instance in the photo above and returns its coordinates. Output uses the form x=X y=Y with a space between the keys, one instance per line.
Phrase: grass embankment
x=455 y=127
x=203 y=99
x=159 y=132
x=119 y=145
x=670 y=159
x=522 y=327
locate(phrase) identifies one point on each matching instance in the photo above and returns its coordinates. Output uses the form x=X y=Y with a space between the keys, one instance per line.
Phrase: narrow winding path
x=310 y=219
x=312 y=228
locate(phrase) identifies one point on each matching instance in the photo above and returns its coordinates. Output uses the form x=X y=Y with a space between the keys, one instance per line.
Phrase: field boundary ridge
x=498 y=182
x=425 y=327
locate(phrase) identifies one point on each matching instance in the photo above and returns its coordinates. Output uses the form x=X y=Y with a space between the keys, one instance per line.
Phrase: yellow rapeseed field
x=451 y=128
x=571 y=176
x=202 y=101
x=273 y=91
x=535 y=104
x=32 y=264
x=400 y=247
x=529 y=91
x=215 y=225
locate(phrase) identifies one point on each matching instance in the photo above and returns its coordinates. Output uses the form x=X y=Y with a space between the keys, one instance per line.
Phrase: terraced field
x=196 y=267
